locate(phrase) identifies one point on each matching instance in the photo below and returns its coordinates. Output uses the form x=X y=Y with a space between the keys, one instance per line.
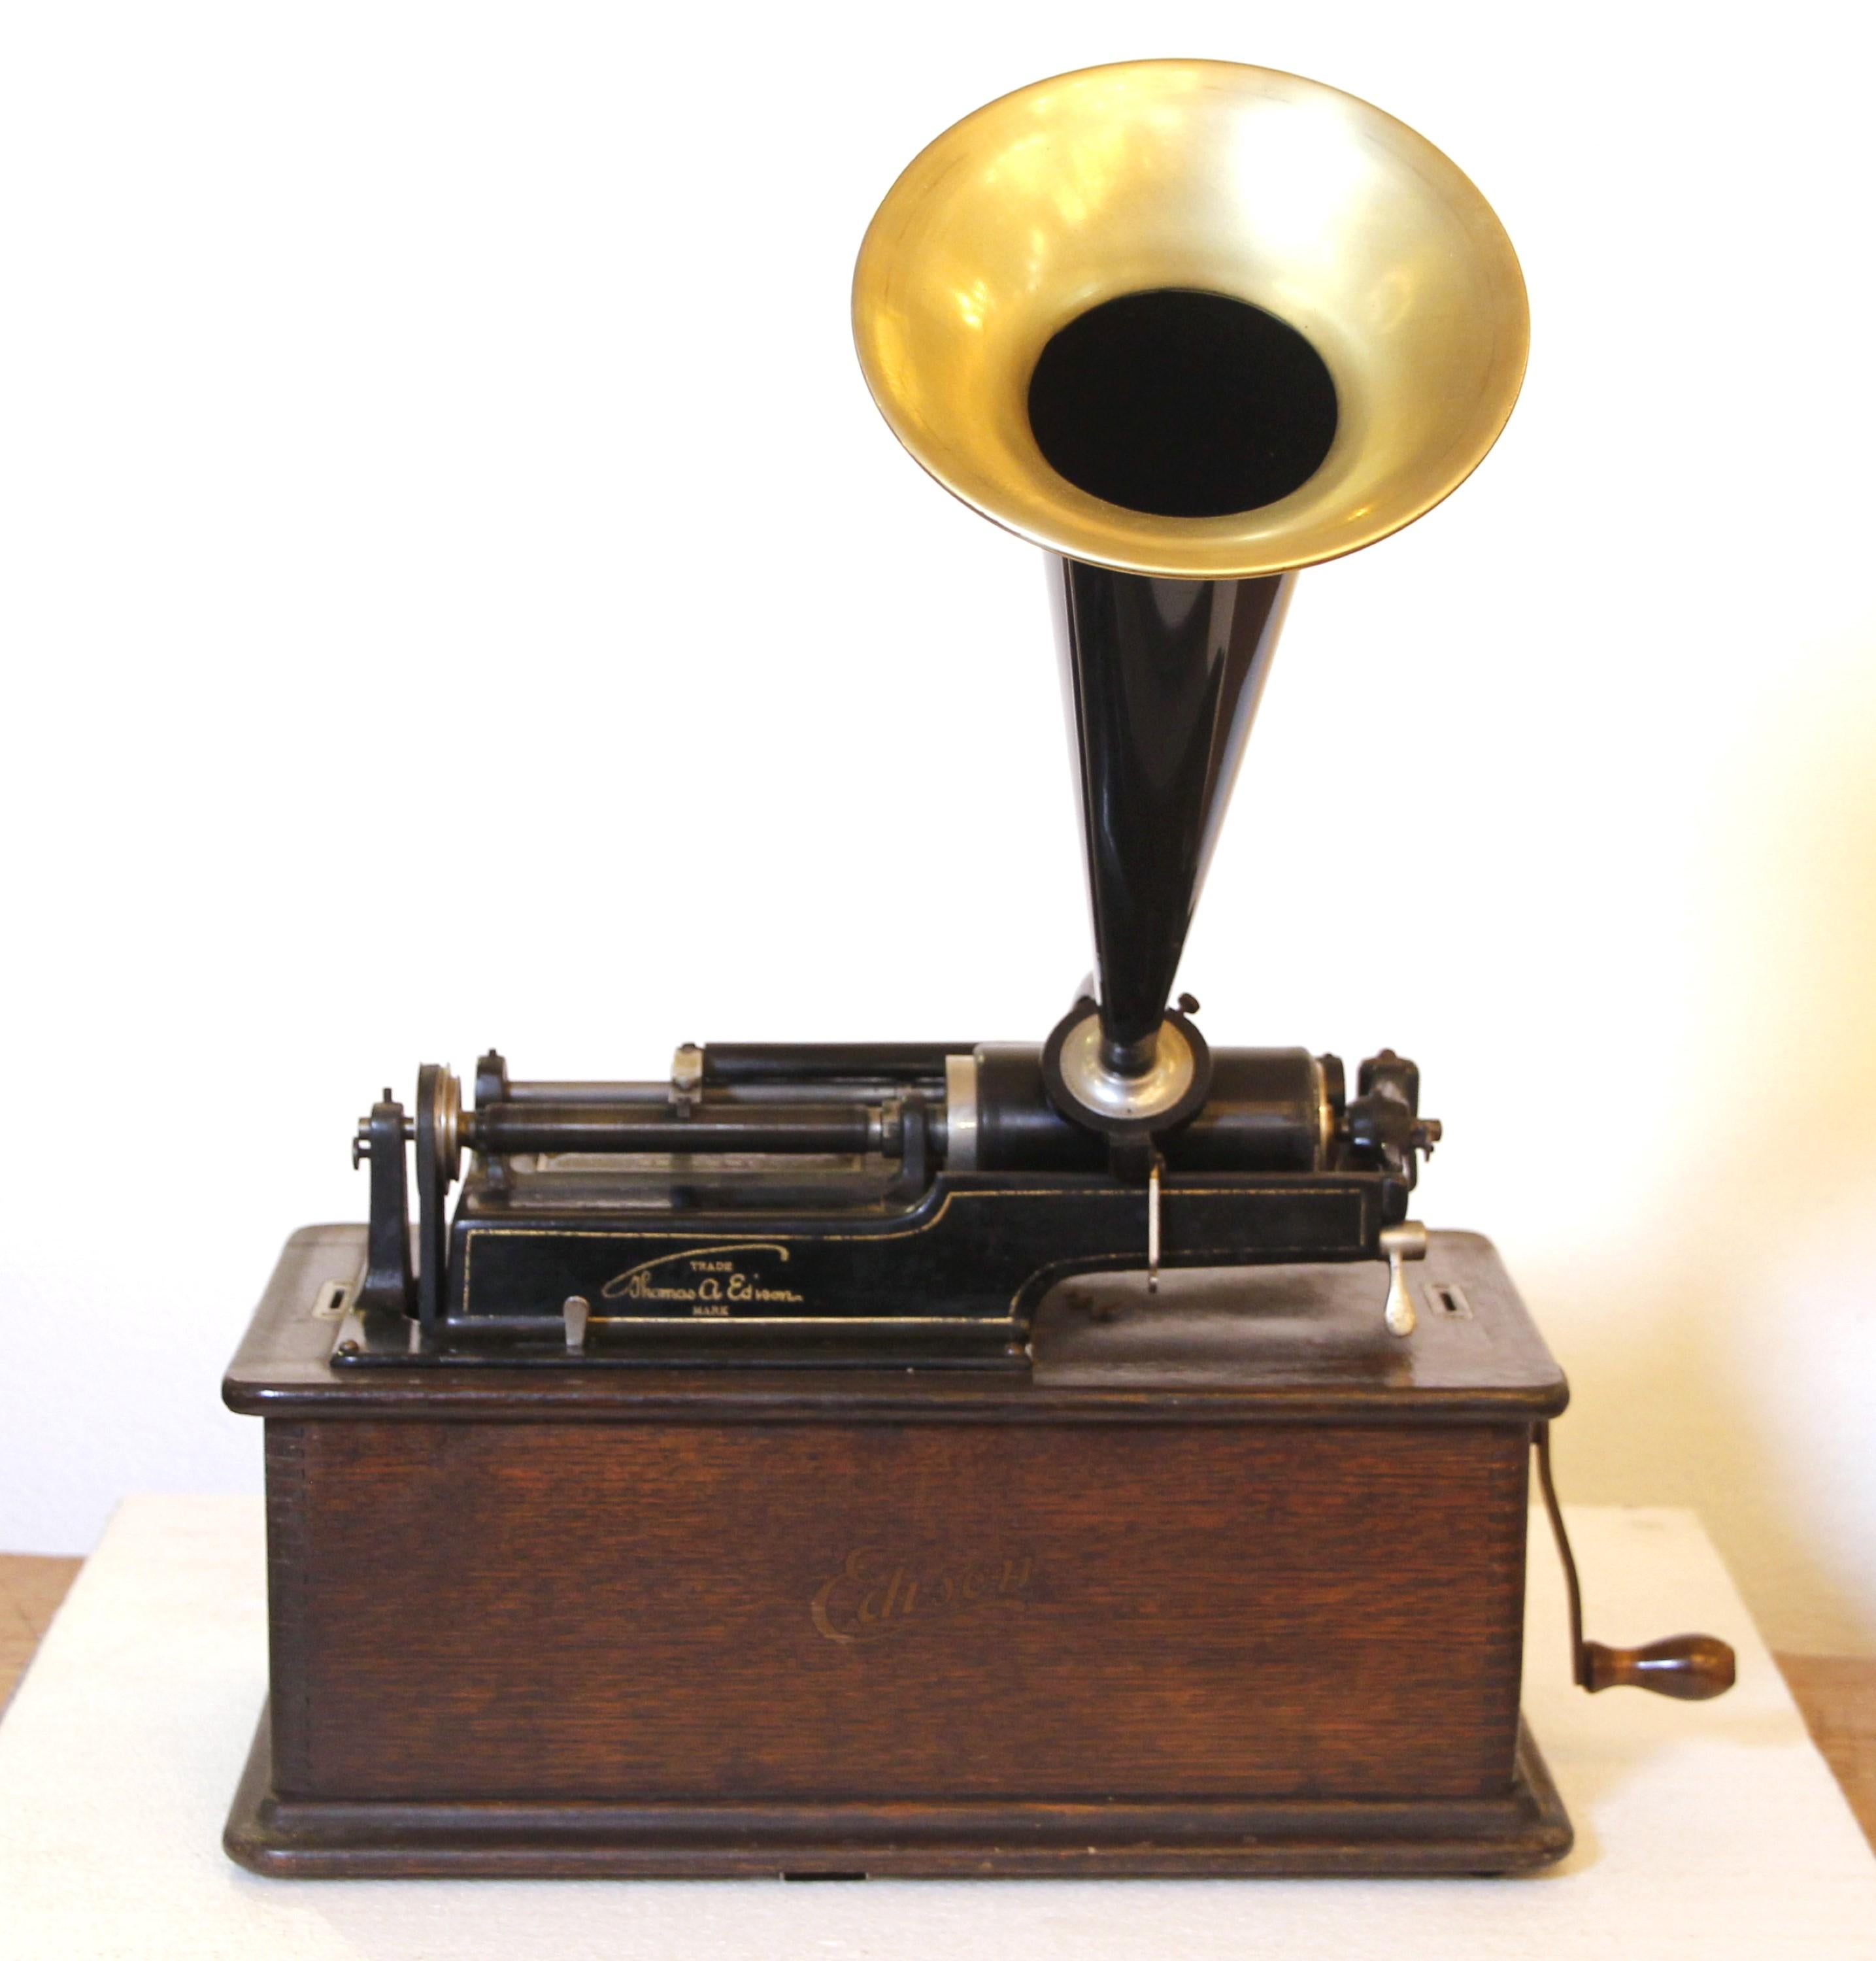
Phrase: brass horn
x=1189 y=326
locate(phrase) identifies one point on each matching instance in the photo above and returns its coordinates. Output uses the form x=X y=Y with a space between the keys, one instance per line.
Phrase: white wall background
x=429 y=439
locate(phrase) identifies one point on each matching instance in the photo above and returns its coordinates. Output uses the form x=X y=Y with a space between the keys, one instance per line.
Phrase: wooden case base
x=1230 y=1582
x=329 y=1838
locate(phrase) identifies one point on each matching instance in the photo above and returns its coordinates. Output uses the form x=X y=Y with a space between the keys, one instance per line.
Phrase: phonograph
x=961 y=1456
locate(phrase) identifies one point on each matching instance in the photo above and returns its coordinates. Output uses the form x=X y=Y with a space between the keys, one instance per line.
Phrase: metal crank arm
x=1691 y=1668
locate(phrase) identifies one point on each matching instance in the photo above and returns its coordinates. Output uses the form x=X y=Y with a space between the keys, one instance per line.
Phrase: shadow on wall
x=1736 y=1371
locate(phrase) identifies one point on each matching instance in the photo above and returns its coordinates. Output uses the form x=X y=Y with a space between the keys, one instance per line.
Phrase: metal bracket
x=1383 y=1124
x=914 y=1173
x=388 y=1287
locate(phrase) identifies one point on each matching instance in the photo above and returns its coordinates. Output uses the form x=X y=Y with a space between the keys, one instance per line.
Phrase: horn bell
x=1373 y=353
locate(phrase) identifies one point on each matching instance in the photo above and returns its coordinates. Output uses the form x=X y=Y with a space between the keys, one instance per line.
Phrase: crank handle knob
x=1691 y=1668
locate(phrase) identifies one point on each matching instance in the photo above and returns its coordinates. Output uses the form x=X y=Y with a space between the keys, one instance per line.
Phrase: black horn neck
x=1162 y=677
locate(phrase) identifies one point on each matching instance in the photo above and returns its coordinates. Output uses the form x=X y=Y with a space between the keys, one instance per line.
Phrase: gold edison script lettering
x=876 y=1594
x=705 y=1281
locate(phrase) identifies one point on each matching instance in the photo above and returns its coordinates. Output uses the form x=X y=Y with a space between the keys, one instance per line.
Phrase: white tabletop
x=1709 y=1831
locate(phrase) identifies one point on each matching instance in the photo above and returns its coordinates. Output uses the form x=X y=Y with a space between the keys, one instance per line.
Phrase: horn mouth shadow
x=1182 y=404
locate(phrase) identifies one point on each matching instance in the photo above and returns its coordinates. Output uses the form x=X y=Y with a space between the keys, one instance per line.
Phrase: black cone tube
x=1163 y=677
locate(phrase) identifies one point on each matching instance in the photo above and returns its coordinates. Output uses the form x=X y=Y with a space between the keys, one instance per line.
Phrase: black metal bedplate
x=700 y=1235
x=956 y=1276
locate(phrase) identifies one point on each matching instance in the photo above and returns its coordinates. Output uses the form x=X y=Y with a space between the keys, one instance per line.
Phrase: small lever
x=1401 y=1243
x=687 y=1078
x=1152 y=1225
x=1691 y=1668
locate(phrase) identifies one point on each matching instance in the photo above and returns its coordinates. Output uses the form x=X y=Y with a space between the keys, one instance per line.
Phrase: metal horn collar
x=1086 y=1090
x=1204 y=177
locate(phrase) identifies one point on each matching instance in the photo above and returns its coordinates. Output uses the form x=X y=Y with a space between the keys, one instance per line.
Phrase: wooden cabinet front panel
x=854 y=1611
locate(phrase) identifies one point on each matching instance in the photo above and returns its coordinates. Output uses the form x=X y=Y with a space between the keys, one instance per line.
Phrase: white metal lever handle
x=1402 y=1243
